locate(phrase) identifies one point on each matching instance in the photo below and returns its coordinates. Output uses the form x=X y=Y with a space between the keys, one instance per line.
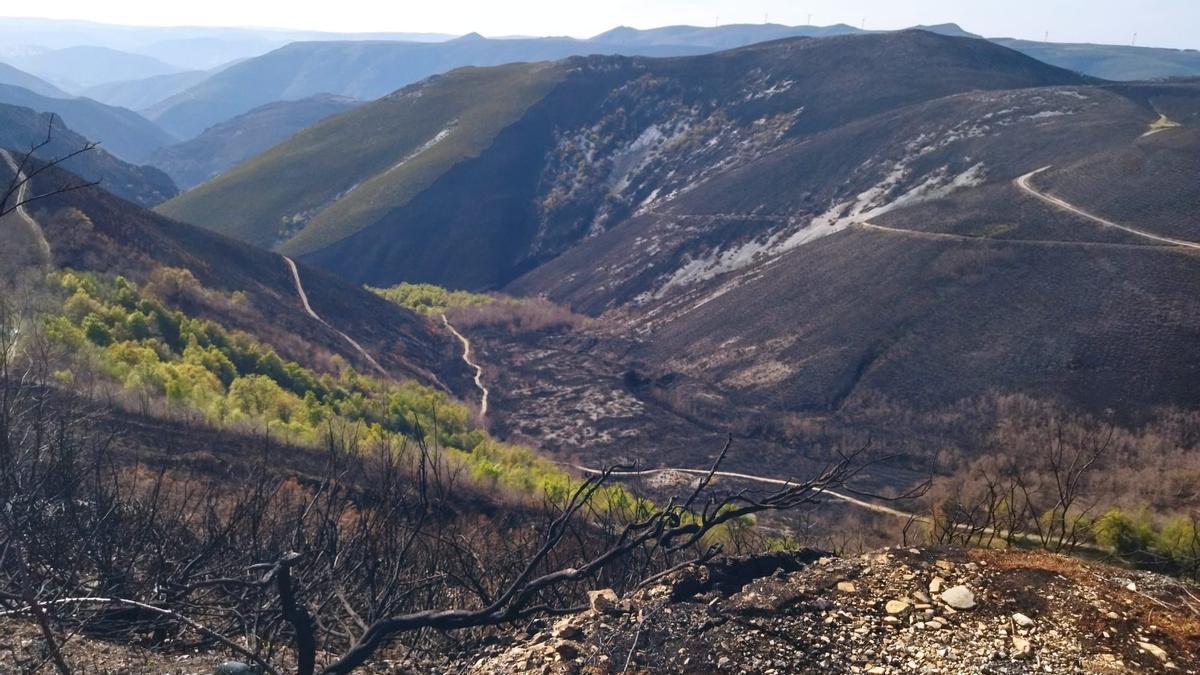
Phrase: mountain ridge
x=795 y=104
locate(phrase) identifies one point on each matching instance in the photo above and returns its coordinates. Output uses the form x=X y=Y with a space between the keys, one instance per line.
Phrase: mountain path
x=1052 y=243
x=483 y=402
x=854 y=501
x=308 y=308
x=22 y=214
x=1024 y=184
x=862 y=503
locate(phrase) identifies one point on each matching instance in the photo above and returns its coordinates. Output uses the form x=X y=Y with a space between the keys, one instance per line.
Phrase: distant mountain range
x=364 y=70
x=715 y=38
x=124 y=133
x=368 y=70
x=21 y=128
x=139 y=94
x=234 y=141
x=77 y=68
x=185 y=47
x=19 y=78
x=1112 y=62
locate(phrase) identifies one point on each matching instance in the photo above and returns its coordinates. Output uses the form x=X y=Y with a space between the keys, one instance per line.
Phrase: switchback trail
x=308 y=308
x=483 y=402
x=1023 y=183
x=22 y=214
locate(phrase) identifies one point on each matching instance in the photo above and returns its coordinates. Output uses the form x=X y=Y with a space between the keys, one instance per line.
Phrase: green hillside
x=369 y=160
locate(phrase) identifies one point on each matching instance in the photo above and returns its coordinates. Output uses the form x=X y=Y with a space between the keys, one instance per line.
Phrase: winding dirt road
x=1043 y=243
x=308 y=308
x=22 y=214
x=1024 y=184
x=862 y=503
x=483 y=402
x=855 y=501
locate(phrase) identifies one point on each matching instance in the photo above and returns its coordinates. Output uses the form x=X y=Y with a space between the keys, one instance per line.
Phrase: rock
x=1154 y=650
x=944 y=565
x=1021 y=648
x=607 y=602
x=567 y=651
x=566 y=629
x=1022 y=620
x=922 y=597
x=846 y=586
x=935 y=586
x=959 y=597
x=234 y=668
x=896 y=607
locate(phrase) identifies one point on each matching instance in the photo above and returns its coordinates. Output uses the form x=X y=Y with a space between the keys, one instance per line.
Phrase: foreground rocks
x=884 y=613
x=895 y=611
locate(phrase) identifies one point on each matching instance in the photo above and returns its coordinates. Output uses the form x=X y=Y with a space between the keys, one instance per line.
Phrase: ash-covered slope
x=903 y=263
x=882 y=613
x=595 y=139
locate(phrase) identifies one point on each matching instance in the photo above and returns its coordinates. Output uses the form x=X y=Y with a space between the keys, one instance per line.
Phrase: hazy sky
x=1167 y=23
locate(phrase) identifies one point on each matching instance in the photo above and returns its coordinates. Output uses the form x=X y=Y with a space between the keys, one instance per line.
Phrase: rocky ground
x=883 y=613
x=895 y=611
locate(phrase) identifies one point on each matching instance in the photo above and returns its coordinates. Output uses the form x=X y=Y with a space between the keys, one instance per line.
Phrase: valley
x=389 y=352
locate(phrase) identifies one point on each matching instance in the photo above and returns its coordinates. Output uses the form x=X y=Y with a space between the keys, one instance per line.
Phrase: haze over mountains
x=373 y=316
x=185 y=80
x=229 y=143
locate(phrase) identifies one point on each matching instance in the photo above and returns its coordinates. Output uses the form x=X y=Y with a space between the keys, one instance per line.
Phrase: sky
x=1160 y=23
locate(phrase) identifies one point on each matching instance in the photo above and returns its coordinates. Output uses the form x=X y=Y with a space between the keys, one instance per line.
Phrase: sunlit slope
x=364 y=162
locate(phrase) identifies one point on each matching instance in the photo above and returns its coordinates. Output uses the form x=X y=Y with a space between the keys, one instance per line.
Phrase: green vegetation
x=430 y=299
x=112 y=327
x=348 y=171
x=1172 y=545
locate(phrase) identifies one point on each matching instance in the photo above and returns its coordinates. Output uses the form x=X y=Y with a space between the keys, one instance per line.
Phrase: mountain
x=186 y=47
x=563 y=160
x=19 y=78
x=21 y=128
x=714 y=37
x=143 y=93
x=124 y=133
x=230 y=143
x=784 y=300
x=801 y=227
x=951 y=29
x=1112 y=62
x=77 y=68
x=364 y=70
x=92 y=230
